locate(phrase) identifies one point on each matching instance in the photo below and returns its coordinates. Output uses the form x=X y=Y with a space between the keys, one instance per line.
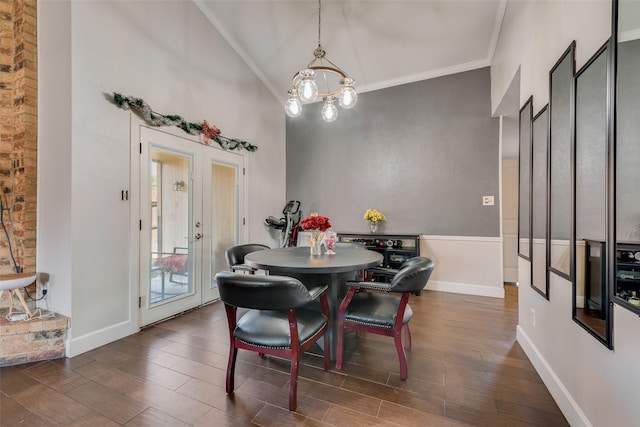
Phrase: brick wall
x=18 y=132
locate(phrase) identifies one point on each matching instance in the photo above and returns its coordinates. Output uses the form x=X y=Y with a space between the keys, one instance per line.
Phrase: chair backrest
x=413 y=275
x=261 y=292
x=235 y=254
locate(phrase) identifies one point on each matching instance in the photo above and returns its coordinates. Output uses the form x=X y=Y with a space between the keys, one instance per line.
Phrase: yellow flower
x=374 y=215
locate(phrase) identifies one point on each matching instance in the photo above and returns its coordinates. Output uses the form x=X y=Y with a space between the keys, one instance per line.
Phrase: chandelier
x=305 y=88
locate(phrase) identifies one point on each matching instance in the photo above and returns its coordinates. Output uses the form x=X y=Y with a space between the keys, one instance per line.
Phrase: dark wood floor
x=465 y=369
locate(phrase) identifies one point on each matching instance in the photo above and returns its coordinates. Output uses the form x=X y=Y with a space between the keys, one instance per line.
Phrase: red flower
x=209 y=132
x=316 y=222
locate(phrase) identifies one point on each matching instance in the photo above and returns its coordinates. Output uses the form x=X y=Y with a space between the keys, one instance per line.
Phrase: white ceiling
x=380 y=43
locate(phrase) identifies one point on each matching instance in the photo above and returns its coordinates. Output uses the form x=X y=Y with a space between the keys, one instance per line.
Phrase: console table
x=394 y=248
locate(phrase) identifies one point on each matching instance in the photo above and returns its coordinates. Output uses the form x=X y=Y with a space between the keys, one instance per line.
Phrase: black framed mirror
x=626 y=289
x=539 y=160
x=561 y=97
x=524 y=180
x=591 y=307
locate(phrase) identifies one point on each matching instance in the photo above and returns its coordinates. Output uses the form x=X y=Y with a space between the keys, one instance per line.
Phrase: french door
x=191 y=208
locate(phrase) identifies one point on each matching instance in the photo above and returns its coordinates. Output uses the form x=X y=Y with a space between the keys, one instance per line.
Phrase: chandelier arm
x=338 y=69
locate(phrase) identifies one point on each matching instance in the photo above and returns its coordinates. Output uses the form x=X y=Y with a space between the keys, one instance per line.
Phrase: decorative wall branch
x=209 y=132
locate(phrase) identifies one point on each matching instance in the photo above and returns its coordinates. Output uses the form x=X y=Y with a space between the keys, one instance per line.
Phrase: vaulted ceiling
x=380 y=43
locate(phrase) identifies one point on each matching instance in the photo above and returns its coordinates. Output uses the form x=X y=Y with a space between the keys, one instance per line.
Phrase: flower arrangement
x=374 y=215
x=317 y=224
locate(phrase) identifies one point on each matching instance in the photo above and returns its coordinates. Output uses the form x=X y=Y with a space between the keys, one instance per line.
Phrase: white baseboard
x=84 y=343
x=465 y=288
x=564 y=400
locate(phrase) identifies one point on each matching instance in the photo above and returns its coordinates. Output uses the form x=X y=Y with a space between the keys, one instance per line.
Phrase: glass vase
x=315 y=242
x=373 y=227
x=330 y=239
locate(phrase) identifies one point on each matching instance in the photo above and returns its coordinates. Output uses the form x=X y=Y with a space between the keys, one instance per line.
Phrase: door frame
x=133 y=195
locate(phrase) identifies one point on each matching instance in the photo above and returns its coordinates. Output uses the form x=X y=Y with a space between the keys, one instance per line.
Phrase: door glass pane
x=171 y=257
x=224 y=218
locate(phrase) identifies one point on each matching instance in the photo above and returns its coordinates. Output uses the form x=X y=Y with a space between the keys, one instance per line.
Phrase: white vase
x=373 y=227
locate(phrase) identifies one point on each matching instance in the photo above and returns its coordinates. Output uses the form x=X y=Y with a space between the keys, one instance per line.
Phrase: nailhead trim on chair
x=266 y=346
x=262 y=346
x=367 y=323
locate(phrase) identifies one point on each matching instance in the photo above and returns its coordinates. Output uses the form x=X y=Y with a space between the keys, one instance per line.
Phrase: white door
x=222 y=201
x=191 y=209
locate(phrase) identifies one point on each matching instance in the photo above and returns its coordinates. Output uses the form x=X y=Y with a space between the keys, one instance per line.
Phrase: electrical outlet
x=533 y=317
x=487 y=201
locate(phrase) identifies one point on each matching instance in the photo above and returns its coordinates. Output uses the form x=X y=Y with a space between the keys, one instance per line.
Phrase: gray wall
x=423 y=153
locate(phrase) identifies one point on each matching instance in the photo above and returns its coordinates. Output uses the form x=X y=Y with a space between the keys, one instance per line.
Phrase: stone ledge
x=39 y=338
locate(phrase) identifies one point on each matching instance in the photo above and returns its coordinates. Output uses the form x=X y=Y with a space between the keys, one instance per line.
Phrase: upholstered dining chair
x=380 y=312
x=235 y=256
x=277 y=322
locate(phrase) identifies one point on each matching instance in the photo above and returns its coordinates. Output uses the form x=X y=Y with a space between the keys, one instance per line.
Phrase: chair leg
x=407 y=337
x=401 y=355
x=293 y=384
x=327 y=351
x=231 y=367
x=340 y=344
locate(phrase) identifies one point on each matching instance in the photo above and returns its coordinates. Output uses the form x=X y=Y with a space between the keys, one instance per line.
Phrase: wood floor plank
x=111 y=377
x=365 y=404
x=236 y=405
x=14 y=414
x=219 y=418
x=53 y=406
x=279 y=397
x=153 y=417
x=148 y=371
x=172 y=403
x=411 y=417
x=421 y=402
x=277 y=416
x=341 y=415
x=14 y=381
x=107 y=402
x=51 y=374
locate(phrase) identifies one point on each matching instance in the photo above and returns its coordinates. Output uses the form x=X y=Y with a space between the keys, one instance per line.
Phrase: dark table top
x=298 y=260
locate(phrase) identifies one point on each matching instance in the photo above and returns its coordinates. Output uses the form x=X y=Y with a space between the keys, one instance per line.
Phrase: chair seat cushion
x=376 y=308
x=270 y=329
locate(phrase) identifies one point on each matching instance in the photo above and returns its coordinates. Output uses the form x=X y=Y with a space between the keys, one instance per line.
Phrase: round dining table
x=333 y=270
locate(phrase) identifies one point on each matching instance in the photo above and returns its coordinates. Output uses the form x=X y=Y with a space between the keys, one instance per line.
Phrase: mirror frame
x=612 y=255
x=525 y=145
x=606 y=304
x=568 y=54
x=543 y=165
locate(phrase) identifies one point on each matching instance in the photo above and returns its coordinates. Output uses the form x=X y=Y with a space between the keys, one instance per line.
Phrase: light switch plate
x=487 y=201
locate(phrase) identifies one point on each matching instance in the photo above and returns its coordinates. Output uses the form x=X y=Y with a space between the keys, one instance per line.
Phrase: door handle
x=198 y=236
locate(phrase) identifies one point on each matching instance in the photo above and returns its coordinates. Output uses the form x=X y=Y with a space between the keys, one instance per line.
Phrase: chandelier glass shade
x=305 y=85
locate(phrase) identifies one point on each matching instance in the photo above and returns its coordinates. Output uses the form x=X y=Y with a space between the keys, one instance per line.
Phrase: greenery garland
x=142 y=109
